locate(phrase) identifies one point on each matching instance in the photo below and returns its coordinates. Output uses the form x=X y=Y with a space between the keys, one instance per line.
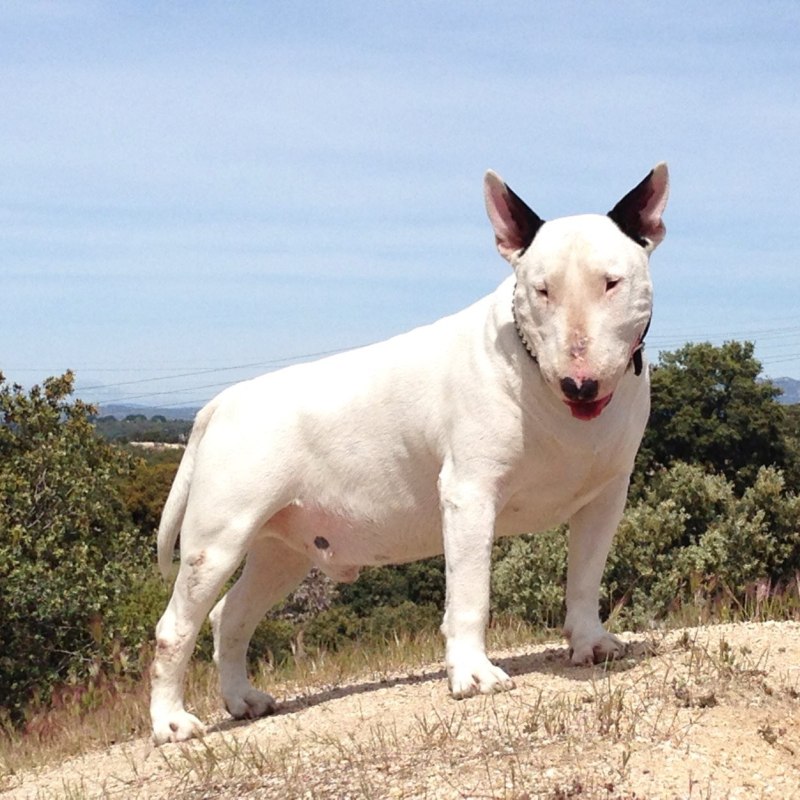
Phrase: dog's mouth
x=588 y=409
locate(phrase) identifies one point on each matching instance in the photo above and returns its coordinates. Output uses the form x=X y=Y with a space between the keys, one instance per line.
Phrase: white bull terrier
x=521 y=412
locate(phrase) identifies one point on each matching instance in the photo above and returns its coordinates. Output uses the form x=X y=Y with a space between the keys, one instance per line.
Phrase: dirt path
x=704 y=713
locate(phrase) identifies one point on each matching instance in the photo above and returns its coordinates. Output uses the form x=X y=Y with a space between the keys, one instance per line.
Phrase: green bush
x=421 y=582
x=691 y=535
x=688 y=538
x=407 y=618
x=70 y=558
x=529 y=576
x=138 y=609
x=759 y=538
x=145 y=488
x=330 y=629
x=272 y=642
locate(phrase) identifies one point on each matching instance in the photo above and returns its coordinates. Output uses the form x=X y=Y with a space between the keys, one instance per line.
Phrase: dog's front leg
x=468 y=516
x=591 y=531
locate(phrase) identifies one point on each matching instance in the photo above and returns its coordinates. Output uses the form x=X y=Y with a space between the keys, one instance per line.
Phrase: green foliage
x=688 y=538
x=130 y=624
x=529 y=575
x=655 y=550
x=145 y=488
x=759 y=537
x=421 y=582
x=692 y=535
x=272 y=642
x=69 y=554
x=383 y=601
x=710 y=408
x=331 y=629
x=385 y=622
x=791 y=440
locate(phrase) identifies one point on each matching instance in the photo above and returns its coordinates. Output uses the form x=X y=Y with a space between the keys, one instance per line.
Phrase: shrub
x=145 y=488
x=331 y=628
x=272 y=642
x=407 y=618
x=689 y=537
x=529 y=575
x=421 y=582
x=70 y=558
x=759 y=539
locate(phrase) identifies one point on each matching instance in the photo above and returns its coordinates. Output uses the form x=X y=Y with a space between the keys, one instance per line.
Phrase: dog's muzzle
x=582 y=398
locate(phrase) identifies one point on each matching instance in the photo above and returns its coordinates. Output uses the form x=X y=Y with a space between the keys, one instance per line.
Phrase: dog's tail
x=175 y=507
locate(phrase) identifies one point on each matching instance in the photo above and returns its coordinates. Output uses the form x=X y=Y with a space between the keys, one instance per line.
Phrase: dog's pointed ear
x=514 y=223
x=638 y=214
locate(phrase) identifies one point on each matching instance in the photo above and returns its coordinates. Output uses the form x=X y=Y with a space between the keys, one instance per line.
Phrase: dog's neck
x=636 y=357
x=526 y=344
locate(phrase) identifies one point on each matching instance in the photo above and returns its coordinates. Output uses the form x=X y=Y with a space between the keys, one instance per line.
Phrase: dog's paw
x=596 y=649
x=177 y=727
x=475 y=674
x=251 y=704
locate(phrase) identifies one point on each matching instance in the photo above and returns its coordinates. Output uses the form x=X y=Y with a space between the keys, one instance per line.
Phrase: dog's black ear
x=638 y=214
x=514 y=223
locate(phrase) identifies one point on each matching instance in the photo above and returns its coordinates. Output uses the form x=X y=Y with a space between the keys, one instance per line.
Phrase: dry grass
x=376 y=722
x=552 y=743
x=83 y=719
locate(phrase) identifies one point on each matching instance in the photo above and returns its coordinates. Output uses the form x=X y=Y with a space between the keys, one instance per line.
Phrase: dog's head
x=583 y=296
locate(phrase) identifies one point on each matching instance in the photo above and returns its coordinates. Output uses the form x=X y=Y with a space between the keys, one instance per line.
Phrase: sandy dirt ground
x=709 y=713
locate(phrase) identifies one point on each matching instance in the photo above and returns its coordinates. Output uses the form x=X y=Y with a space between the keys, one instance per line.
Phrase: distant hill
x=122 y=410
x=791 y=390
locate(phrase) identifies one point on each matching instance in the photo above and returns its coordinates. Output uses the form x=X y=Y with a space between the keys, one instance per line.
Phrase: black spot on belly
x=321 y=542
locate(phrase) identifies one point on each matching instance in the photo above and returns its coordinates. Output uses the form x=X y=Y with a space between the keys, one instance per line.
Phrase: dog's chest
x=550 y=491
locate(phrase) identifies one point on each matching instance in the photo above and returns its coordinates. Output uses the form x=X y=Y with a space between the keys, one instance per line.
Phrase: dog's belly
x=340 y=544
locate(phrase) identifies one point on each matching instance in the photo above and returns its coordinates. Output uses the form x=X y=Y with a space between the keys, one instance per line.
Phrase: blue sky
x=219 y=188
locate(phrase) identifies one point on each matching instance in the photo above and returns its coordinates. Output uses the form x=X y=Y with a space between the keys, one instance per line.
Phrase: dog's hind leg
x=209 y=556
x=271 y=571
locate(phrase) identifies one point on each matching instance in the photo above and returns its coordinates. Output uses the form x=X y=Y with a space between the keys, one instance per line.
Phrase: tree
x=145 y=488
x=71 y=563
x=791 y=436
x=709 y=407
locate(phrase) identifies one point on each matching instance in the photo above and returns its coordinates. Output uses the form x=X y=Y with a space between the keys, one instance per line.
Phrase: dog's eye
x=542 y=292
x=611 y=283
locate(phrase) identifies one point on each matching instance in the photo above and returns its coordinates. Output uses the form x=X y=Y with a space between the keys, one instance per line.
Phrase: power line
x=759 y=335
x=127 y=398
x=781 y=359
x=211 y=370
x=286 y=361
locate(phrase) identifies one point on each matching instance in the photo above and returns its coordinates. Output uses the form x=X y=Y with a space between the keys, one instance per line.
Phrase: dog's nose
x=585 y=392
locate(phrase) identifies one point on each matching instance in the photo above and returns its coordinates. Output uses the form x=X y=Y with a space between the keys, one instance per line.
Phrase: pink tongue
x=589 y=410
